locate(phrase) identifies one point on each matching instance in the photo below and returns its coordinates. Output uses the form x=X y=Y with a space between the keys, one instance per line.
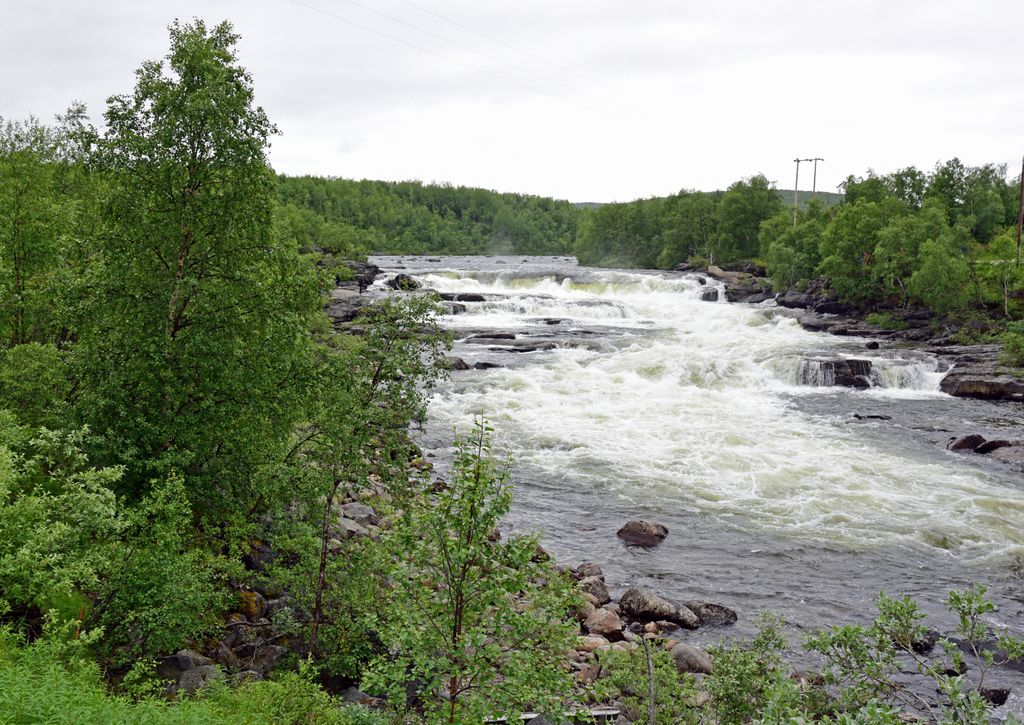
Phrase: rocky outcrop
x=365 y=272
x=345 y=303
x=976 y=373
x=642 y=533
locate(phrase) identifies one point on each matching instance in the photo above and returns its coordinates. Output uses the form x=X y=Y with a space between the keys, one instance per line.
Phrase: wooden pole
x=814 y=184
x=796 y=185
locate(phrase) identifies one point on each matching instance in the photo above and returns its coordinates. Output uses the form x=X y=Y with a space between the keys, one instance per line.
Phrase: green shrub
x=479 y=628
x=886 y=321
x=1013 y=345
x=625 y=679
x=50 y=682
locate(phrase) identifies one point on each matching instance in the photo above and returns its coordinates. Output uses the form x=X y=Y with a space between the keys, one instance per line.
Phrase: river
x=643 y=401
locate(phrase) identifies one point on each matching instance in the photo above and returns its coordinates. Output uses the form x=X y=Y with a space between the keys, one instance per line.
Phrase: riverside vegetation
x=211 y=509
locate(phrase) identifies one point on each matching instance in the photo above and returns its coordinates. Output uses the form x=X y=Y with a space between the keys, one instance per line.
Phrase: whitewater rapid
x=656 y=397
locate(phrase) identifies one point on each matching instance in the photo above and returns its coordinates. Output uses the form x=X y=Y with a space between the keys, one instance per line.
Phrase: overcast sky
x=587 y=100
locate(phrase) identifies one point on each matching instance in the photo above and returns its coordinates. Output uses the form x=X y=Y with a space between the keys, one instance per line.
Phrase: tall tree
x=744 y=206
x=193 y=329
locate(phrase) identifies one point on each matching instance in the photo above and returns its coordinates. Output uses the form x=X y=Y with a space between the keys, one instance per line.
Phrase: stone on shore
x=595 y=586
x=604 y=623
x=690 y=659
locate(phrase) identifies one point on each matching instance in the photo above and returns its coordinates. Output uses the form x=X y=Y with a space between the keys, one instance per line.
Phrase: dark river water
x=623 y=395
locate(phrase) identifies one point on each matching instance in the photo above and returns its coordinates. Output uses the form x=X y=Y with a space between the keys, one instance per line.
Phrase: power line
x=478 y=52
x=453 y=60
x=528 y=54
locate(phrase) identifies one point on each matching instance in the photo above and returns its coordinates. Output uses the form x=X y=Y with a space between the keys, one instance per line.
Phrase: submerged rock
x=642 y=533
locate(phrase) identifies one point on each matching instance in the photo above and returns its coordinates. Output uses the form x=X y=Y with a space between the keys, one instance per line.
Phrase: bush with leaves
x=52 y=680
x=479 y=628
x=624 y=678
x=863 y=662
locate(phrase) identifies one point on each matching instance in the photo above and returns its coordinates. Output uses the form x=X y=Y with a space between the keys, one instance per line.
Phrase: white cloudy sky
x=589 y=100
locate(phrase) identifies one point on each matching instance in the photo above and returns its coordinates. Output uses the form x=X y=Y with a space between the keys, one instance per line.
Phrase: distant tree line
x=354 y=218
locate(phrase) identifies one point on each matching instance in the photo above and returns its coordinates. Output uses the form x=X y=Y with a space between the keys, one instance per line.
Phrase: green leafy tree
x=34 y=216
x=897 y=251
x=791 y=253
x=193 y=346
x=848 y=245
x=942 y=280
x=480 y=626
x=744 y=206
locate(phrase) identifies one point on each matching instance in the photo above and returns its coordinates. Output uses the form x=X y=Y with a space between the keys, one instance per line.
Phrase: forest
x=199 y=475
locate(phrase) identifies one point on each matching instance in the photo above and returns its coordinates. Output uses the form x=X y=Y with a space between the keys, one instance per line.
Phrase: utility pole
x=814 y=184
x=1020 y=210
x=796 y=185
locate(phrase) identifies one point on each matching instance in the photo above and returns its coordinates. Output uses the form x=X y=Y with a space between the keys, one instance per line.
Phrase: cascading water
x=622 y=393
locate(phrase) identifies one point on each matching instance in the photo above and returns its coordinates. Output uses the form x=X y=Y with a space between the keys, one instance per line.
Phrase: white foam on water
x=695 y=410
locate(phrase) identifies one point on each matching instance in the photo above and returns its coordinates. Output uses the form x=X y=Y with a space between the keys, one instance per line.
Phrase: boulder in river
x=461 y=296
x=966 y=443
x=364 y=272
x=403 y=282
x=642 y=604
x=642 y=533
x=709 y=294
x=711 y=614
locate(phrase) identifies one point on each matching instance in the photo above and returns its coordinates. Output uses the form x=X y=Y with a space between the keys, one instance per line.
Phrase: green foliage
x=744 y=206
x=480 y=627
x=792 y=253
x=625 y=678
x=193 y=349
x=942 y=279
x=1013 y=346
x=866 y=662
x=58 y=518
x=161 y=590
x=35 y=214
x=350 y=218
x=50 y=681
x=746 y=679
x=33 y=382
x=886 y=321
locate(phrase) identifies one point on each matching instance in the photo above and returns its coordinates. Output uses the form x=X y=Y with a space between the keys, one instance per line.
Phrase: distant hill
x=827 y=198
